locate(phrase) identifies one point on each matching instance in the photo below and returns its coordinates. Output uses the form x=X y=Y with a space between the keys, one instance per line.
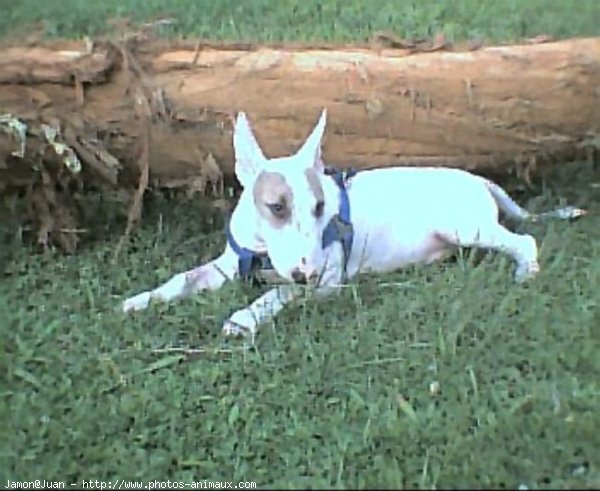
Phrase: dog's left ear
x=310 y=152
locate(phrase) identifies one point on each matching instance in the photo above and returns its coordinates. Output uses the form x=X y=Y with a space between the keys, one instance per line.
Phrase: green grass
x=317 y=402
x=335 y=393
x=331 y=20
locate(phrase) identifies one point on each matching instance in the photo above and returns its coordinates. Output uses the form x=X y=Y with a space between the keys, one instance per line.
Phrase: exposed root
x=135 y=210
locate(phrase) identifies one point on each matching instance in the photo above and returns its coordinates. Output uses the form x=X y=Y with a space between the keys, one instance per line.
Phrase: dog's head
x=290 y=206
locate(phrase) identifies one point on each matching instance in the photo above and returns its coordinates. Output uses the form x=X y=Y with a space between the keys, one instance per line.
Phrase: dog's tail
x=513 y=210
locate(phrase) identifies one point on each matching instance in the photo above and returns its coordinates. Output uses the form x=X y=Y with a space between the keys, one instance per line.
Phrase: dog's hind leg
x=522 y=248
x=209 y=276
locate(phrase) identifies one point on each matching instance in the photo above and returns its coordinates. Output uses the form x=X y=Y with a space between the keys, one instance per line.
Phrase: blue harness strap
x=339 y=228
x=248 y=260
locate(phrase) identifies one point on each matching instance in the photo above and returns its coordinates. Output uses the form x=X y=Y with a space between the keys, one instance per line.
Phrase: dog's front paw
x=138 y=302
x=240 y=324
x=526 y=271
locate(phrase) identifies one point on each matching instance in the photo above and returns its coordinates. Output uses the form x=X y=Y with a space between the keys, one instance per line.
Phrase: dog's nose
x=298 y=277
x=303 y=278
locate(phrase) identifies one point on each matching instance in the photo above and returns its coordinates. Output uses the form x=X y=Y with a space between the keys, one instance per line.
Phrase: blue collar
x=339 y=228
x=248 y=260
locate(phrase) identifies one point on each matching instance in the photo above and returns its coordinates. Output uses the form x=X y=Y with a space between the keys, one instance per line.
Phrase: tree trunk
x=491 y=107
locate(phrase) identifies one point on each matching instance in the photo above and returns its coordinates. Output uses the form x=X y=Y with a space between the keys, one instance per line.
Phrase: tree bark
x=486 y=107
x=490 y=107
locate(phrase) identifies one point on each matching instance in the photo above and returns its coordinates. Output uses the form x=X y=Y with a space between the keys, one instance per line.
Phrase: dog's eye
x=278 y=209
x=319 y=209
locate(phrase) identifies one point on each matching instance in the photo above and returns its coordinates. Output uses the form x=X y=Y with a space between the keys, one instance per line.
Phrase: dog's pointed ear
x=249 y=158
x=310 y=152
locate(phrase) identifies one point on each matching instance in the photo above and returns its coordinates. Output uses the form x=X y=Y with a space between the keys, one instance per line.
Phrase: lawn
x=332 y=20
x=448 y=375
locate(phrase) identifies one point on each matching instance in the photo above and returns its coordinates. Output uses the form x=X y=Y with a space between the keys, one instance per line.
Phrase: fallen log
x=499 y=107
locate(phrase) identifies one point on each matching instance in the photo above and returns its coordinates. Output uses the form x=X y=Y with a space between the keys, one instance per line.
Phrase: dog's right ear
x=249 y=158
x=310 y=152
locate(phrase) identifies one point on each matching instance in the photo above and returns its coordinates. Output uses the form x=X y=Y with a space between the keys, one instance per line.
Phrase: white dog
x=319 y=229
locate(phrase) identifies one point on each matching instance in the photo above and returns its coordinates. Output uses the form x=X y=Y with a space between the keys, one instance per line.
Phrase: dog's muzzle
x=300 y=277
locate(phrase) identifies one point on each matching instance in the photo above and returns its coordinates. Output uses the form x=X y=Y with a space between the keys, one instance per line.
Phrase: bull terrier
x=316 y=228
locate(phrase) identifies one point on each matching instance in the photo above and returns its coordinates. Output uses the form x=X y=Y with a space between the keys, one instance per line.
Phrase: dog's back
x=401 y=214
